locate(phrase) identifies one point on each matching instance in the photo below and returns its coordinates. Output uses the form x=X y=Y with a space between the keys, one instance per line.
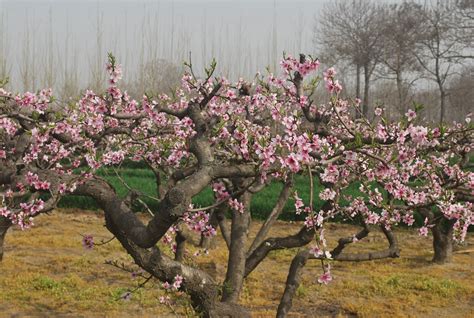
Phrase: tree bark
x=4 y=226
x=276 y=211
x=196 y=283
x=174 y=204
x=392 y=251
x=443 y=241
x=401 y=94
x=237 y=253
x=299 y=261
x=221 y=219
x=180 y=240
x=292 y=283
x=442 y=104
x=357 y=81
x=302 y=238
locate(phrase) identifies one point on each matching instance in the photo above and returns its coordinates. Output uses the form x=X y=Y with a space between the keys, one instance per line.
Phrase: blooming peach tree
x=236 y=138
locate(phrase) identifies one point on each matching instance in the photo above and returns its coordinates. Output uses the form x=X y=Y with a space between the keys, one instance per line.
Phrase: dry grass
x=47 y=273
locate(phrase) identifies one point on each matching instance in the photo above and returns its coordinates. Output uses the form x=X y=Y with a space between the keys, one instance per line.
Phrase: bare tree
x=461 y=96
x=48 y=67
x=158 y=76
x=400 y=36
x=97 y=74
x=4 y=67
x=464 y=10
x=28 y=71
x=440 y=51
x=351 y=31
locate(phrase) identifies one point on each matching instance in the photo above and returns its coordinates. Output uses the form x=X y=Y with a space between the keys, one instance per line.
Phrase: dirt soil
x=46 y=272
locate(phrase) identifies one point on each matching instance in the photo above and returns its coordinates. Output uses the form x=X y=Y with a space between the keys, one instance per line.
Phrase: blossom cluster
x=199 y=222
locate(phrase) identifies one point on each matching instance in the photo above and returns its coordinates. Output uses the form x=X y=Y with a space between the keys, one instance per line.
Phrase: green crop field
x=143 y=180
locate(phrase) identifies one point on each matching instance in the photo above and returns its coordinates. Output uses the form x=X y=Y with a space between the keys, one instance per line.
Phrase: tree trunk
x=180 y=240
x=292 y=283
x=442 y=104
x=365 y=103
x=443 y=241
x=199 y=285
x=401 y=93
x=4 y=226
x=221 y=219
x=237 y=254
x=357 y=85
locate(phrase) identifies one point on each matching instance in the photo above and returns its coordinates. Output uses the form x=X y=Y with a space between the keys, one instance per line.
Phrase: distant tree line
x=400 y=49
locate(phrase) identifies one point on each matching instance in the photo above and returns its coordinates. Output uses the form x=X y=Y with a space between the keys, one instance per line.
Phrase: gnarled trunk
x=4 y=226
x=199 y=285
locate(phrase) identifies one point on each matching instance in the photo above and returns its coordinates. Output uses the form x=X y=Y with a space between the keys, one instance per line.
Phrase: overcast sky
x=239 y=34
x=244 y=36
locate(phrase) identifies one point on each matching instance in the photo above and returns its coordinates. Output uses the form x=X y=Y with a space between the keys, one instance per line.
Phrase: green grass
x=144 y=181
x=262 y=204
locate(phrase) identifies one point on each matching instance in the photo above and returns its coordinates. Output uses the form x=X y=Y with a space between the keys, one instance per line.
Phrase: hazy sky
x=239 y=34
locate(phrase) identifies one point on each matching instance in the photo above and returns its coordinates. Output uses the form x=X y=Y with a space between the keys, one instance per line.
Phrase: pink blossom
x=88 y=241
x=220 y=190
x=411 y=114
x=418 y=134
x=115 y=73
x=113 y=157
x=316 y=251
x=8 y=125
x=330 y=174
x=178 y=280
x=333 y=86
x=236 y=205
x=298 y=203
x=329 y=73
x=325 y=278
x=423 y=231
x=327 y=194
x=166 y=300
x=313 y=221
x=408 y=219
x=292 y=162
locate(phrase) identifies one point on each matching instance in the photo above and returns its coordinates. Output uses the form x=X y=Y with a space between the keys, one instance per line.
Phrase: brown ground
x=47 y=273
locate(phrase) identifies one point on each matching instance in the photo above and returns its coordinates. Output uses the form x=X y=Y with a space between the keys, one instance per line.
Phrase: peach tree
x=236 y=138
